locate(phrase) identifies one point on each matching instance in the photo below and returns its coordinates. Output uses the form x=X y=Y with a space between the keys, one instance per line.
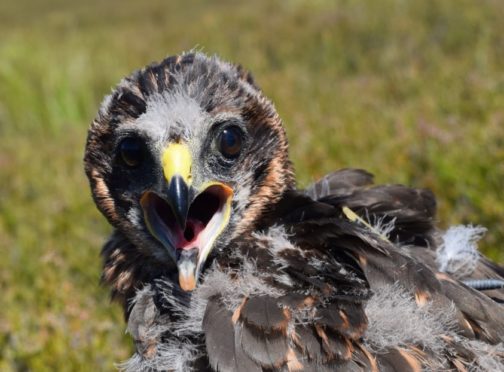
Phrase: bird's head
x=184 y=156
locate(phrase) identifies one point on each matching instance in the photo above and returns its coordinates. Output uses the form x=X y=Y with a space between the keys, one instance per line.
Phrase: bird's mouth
x=188 y=238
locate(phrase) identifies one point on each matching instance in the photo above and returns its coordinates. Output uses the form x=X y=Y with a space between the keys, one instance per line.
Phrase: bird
x=221 y=263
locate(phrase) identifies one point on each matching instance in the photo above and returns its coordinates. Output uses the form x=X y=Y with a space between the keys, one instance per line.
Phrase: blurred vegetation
x=412 y=91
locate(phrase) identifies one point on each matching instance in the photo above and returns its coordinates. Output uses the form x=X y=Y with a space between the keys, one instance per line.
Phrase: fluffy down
x=458 y=254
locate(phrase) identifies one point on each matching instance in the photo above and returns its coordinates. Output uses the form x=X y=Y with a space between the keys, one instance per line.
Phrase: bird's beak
x=186 y=220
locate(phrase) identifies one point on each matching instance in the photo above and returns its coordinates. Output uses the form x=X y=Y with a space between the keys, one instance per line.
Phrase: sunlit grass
x=412 y=91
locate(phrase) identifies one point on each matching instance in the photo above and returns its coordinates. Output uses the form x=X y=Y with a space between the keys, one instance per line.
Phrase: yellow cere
x=176 y=160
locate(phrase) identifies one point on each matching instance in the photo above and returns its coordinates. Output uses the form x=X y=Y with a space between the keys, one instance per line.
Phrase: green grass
x=412 y=91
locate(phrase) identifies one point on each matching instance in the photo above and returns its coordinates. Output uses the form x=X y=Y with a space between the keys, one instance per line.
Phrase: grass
x=412 y=91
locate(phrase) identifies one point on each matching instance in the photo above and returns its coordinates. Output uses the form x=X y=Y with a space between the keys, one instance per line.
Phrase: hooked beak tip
x=187 y=283
x=187 y=267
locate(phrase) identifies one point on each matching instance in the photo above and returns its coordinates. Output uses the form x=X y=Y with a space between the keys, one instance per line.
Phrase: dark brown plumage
x=221 y=264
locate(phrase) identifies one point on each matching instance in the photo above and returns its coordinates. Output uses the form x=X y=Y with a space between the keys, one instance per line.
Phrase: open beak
x=185 y=220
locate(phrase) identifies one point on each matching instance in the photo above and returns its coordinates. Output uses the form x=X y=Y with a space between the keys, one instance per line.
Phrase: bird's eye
x=132 y=151
x=229 y=142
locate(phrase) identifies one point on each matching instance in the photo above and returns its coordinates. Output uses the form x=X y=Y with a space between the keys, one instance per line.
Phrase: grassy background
x=412 y=91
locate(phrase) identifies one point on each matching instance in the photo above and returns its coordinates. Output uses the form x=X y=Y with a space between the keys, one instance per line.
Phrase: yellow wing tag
x=354 y=217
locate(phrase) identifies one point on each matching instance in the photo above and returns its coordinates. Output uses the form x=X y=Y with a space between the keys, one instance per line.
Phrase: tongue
x=190 y=238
